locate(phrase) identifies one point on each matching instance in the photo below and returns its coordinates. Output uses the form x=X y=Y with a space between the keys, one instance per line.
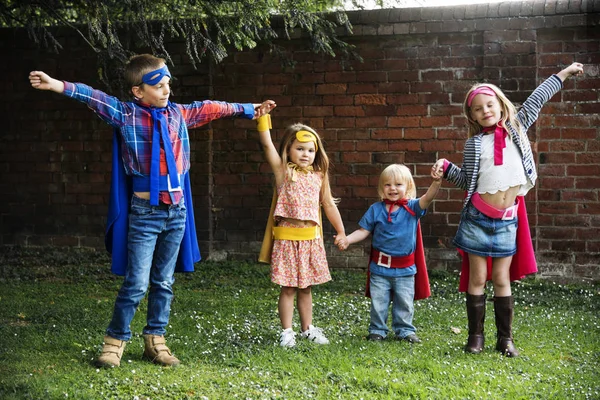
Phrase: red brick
x=403 y=122
x=371 y=122
x=370 y=99
x=419 y=133
x=402 y=98
x=587 y=183
x=349 y=111
x=337 y=77
x=380 y=134
x=317 y=111
x=337 y=100
x=332 y=88
x=405 y=145
x=438 y=145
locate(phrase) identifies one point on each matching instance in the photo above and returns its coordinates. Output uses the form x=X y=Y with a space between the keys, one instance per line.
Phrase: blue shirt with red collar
x=396 y=238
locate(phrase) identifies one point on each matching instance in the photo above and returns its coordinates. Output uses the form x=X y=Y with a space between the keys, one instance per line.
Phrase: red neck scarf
x=399 y=203
x=500 y=134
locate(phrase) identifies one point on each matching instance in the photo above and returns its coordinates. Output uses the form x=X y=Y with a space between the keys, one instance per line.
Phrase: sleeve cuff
x=248 y=110
x=68 y=88
x=560 y=82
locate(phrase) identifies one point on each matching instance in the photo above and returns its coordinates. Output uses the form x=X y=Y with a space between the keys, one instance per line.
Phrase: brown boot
x=112 y=351
x=503 y=308
x=476 y=317
x=156 y=350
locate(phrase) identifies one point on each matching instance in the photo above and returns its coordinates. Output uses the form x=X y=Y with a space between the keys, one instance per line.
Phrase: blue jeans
x=154 y=238
x=400 y=292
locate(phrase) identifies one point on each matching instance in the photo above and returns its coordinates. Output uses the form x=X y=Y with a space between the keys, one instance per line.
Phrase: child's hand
x=437 y=171
x=575 y=69
x=40 y=80
x=341 y=241
x=572 y=70
x=263 y=108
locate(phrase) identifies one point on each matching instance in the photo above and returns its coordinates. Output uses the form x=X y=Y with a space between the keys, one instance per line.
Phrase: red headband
x=488 y=91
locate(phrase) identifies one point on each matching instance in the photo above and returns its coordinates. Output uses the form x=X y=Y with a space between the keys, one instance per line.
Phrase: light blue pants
x=400 y=292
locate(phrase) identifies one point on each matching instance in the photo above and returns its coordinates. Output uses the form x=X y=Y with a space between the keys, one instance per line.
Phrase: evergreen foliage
x=115 y=29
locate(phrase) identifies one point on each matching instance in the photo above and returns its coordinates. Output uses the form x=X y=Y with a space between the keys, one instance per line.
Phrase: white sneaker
x=287 y=338
x=315 y=335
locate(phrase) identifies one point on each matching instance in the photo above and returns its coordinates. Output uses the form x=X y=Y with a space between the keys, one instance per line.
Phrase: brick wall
x=402 y=104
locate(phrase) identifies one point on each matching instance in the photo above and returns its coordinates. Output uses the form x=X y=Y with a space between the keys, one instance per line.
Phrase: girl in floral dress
x=293 y=242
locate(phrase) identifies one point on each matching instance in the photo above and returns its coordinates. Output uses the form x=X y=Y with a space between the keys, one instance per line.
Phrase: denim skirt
x=484 y=236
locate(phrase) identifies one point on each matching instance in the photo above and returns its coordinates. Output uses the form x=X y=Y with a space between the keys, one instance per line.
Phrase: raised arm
x=531 y=107
x=271 y=154
x=437 y=172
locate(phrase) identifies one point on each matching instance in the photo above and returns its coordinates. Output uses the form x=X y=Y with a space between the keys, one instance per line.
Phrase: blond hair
x=397 y=173
x=139 y=65
x=320 y=164
x=509 y=112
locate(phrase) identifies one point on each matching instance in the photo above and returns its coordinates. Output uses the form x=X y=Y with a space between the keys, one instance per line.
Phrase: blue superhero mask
x=154 y=77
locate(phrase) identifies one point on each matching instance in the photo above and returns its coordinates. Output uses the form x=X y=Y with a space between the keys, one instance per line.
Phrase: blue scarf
x=160 y=130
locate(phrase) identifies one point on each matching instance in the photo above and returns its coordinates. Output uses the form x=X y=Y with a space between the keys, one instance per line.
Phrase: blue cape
x=117 y=222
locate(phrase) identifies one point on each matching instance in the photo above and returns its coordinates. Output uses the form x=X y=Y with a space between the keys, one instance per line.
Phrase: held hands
x=572 y=70
x=437 y=170
x=263 y=108
x=341 y=241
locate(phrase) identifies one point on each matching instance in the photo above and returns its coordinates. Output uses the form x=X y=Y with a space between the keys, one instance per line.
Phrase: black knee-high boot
x=503 y=308
x=476 y=316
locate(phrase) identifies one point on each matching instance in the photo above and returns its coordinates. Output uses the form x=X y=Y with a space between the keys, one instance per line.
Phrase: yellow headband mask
x=306 y=136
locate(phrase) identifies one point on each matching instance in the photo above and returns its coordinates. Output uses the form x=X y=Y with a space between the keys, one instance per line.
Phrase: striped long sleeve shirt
x=465 y=177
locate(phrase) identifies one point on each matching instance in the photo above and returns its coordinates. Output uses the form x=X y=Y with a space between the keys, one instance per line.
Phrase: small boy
x=150 y=212
x=397 y=270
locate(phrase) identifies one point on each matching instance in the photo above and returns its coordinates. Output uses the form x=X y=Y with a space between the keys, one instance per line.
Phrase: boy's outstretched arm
x=42 y=81
x=437 y=173
x=572 y=70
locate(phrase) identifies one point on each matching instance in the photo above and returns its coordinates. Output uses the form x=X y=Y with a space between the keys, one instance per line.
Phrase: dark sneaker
x=412 y=338
x=375 y=337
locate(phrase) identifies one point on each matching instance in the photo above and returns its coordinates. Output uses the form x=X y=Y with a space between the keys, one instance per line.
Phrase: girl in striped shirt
x=497 y=171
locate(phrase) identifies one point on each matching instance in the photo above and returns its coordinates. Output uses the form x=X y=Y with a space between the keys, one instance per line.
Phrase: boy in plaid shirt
x=150 y=227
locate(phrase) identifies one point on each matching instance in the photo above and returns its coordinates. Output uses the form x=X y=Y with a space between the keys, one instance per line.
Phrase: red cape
x=523 y=262
x=422 y=290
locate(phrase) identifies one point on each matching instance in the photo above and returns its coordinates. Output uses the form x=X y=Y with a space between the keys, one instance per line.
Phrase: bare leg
x=305 y=307
x=501 y=276
x=286 y=306
x=477 y=274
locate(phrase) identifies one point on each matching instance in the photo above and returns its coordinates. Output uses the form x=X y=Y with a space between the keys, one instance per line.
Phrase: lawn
x=55 y=305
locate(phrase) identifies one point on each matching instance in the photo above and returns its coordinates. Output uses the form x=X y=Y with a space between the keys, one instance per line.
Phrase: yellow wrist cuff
x=263 y=123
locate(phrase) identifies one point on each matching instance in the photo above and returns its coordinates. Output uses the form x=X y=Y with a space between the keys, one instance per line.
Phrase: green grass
x=224 y=327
